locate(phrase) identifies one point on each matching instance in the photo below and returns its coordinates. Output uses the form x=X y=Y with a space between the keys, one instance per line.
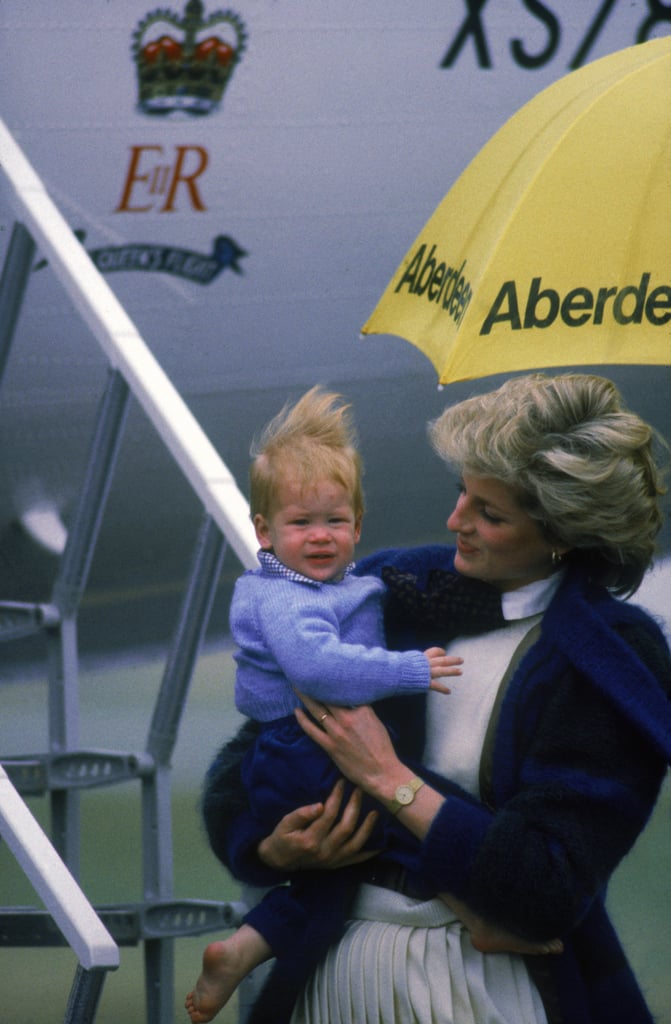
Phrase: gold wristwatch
x=405 y=794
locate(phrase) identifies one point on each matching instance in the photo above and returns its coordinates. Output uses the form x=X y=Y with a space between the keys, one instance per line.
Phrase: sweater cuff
x=415 y=673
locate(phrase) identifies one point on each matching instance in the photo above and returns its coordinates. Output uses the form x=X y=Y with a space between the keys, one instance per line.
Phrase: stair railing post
x=13 y=286
x=62 y=640
x=156 y=787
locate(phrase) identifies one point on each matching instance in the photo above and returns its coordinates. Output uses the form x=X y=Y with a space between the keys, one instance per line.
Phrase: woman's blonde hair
x=311 y=441
x=580 y=463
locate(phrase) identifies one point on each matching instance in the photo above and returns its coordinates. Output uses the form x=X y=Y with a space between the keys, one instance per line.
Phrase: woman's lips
x=464 y=548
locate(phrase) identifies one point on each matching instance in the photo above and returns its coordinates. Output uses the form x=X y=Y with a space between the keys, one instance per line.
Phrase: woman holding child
x=526 y=786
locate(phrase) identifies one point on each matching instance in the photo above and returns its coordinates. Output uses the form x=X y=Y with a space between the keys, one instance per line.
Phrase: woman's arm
x=582 y=793
x=584 y=790
x=359 y=744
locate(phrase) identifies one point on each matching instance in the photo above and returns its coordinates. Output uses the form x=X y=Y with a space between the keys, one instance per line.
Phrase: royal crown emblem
x=184 y=64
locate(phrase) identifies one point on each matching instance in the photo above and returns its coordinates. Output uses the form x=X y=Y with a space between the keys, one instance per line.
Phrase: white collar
x=530 y=599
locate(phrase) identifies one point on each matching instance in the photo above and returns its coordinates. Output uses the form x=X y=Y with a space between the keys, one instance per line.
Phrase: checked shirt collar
x=271 y=565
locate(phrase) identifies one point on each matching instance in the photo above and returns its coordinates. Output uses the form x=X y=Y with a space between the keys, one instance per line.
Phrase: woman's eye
x=491 y=518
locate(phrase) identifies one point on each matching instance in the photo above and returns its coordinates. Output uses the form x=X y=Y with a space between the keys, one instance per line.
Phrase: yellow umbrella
x=553 y=248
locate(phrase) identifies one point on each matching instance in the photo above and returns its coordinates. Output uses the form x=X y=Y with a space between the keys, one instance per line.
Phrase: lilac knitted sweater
x=325 y=639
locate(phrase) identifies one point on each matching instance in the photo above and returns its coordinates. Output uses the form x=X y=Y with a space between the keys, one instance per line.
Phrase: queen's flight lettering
x=440 y=283
x=632 y=304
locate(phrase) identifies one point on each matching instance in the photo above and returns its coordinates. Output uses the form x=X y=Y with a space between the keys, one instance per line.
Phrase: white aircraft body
x=247 y=207
x=246 y=179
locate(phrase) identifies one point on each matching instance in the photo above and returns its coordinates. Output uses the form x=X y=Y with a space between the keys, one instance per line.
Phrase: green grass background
x=116 y=707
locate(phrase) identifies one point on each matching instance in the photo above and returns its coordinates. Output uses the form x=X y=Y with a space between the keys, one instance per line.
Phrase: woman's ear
x=559 y=553
x=262 y=528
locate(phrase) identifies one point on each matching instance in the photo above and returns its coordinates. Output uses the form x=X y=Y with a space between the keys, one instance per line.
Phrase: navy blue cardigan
x=580 y=750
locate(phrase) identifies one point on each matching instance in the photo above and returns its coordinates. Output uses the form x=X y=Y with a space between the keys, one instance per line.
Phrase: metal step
x=128 y=923
x=19 y=619
x=36 y=774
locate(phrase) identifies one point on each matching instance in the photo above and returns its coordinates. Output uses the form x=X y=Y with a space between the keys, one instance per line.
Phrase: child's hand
x=441 y=665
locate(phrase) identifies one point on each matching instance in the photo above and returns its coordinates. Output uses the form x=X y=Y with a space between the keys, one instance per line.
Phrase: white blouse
x=457 y=722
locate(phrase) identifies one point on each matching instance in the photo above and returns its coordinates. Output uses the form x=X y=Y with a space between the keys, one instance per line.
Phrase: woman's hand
x=356 y=741
x=316 y=837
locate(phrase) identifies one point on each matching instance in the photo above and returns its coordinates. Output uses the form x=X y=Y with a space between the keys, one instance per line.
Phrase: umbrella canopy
x=553 y=248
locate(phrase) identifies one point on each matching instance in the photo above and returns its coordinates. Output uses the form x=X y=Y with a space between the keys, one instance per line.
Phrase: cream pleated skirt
x=403 y=961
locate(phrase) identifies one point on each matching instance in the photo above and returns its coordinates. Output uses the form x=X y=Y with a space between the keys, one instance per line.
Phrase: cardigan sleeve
x=586 y=784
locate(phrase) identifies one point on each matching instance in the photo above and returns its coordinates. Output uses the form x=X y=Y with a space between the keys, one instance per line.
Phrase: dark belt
x=389 y=875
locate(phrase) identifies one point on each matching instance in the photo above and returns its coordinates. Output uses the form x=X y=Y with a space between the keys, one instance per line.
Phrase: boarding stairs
x=67 y=768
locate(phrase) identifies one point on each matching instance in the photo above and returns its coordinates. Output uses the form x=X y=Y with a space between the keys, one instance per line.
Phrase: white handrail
x=208 y=475
x=92 y=944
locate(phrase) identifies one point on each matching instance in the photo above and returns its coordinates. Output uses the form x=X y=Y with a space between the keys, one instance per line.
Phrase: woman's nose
x=453 y=520
x=458 y=518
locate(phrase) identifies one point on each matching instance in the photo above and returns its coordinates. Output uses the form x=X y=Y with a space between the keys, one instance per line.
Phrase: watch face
x=404 y=794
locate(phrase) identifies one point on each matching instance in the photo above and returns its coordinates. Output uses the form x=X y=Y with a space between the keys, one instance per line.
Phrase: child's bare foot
x=487 y=939
x=225 y=964
x=219 y=979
